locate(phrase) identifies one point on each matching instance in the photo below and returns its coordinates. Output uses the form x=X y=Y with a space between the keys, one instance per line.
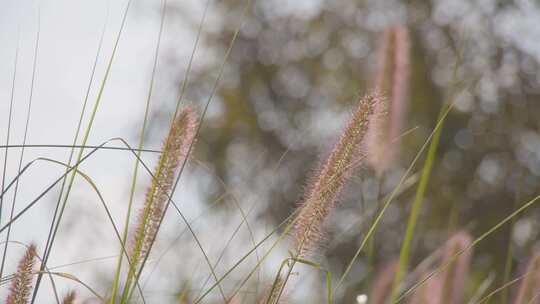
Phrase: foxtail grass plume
x=325 y=186
x=175 y=150
x=530 y=286
x=322 y=191
x=69 y=298
x=382 y=286
x=392 y=81
x=21 y=285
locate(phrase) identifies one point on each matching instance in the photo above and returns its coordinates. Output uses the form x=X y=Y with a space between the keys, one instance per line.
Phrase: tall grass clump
x=21 y=284
x=326 y=184
x=392 y=81
x=174 y=154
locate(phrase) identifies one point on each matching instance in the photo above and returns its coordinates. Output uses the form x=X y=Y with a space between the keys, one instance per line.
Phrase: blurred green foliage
x=298 y=67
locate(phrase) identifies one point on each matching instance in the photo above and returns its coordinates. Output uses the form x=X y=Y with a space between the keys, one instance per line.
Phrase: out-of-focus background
x=294 y=73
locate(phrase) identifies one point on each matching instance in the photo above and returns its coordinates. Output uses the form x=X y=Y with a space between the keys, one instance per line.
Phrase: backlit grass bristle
x=175 y=150
x=530 y=286
x=392 y=81
x=69 y=298
x=21 y=285
x=322 y=192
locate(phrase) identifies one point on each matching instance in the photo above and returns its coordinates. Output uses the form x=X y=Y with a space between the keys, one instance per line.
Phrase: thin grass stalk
x=287 y=225
x=30 y=102
x=175 y=151
x=416 y=207
x=228 y=243
x=392 y=81
x=509 y=252
x=21 y=285
x=419 y=195
x=56 y=223
x=289 y=221
x=508 y=263
x=393 y=194
x=272 y=292
x=6 y=152
x=29 y=109
x=482 y=288
x=428 y=293
x=77 y=132
x=203 y=115
x=447 y=286
x=84 y=147
x=479 y=239
x=140 y=146
x=26 y=127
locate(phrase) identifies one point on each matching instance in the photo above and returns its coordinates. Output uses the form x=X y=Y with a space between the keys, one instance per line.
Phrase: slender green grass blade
x=116 y=279
x=416 y=206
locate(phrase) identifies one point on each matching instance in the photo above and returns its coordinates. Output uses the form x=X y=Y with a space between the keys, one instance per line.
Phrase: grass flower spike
x=323 y=190
x=175 y=149
x=21 y=285
x=392 y=81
